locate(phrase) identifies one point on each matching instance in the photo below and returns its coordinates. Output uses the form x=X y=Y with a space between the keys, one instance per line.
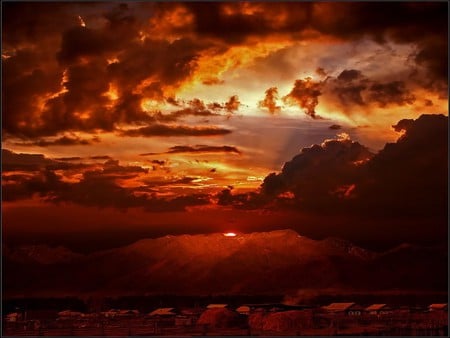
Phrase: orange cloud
x=269 y=101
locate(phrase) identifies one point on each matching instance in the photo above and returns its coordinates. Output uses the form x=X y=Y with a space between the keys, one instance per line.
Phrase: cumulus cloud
x=408 y=177
x=305 y=94
x=232 y=104
x=317 y=171
x=269 y=101
x=61 y=76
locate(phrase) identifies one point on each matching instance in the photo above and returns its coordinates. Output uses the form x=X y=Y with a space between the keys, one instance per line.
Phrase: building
x=274 y=307
x=68 y=314
x=350 y=309
x=243 y=310
x=217 y=306
x=438 y=307
x=163 y=312
x=378 y=309
x=13 y=317
x=127 y=313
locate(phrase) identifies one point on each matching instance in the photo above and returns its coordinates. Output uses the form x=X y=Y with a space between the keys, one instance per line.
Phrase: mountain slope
x=266 y=262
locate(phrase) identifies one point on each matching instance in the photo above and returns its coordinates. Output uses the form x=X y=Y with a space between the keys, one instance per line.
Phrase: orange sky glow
x=169 y=108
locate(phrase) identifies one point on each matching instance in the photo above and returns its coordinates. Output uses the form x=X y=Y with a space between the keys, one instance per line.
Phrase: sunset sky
x=122 y=121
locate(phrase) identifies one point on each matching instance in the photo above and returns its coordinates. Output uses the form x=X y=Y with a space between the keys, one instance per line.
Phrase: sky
x=130 y=120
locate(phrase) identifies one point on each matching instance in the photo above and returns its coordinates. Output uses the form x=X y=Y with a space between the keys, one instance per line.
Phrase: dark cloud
x=269 y=101
x=352 y=88
x=97 y=188
x=235 y=22
x=27 y=162
x=48 y=42
x=349 y=75
x=428 y=102
x=100 y=157
x=176 y=115
x=347 y=88
x=43 y=184
x=305 y=94
x=198 y=149
x=321 y=72
x=78 y=42
x=314 y=174
x=390 y=92
x=215 y=106
x=12 y=161
x=153 y=183
x=335 y=127
x=61 y=141
x=175 y=130
x=434 y=56
x=112 y=167
x=410 y=177
x=246 y=201
x=407 y=178
x=73 y=158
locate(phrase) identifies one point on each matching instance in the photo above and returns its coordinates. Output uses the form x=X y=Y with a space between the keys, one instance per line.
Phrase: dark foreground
x=294 y=322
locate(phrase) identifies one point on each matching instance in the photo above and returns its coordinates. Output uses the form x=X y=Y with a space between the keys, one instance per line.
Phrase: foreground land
x=308 y=322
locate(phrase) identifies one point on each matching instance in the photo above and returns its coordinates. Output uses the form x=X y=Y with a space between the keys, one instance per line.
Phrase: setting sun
x=229 y=234
x=265 y=158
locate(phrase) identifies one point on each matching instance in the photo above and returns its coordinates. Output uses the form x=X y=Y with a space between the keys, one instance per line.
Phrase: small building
x=378 y=309
x=182 y=320
x=350 y=309
x=221 y=318
x=164 y=312
x=111 y=313
x=127 y=313
x=275 y=307
x=13 y=317
x=69 y=314
x=243 y=310
x=217 y=306
x=441 y=307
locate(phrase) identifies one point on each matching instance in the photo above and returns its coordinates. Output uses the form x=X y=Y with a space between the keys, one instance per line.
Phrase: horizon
x=226 y=148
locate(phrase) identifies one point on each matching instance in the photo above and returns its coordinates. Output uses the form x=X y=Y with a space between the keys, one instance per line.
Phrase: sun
x=229 y=234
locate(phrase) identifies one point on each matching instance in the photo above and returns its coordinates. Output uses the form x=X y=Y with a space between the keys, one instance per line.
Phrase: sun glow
x=229 y=234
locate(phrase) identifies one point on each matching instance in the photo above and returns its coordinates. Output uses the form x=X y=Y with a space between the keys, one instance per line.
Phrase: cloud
x=232 y=104
x=198 y=149
x=407 y=178
x=269 y=101
x=391 y=92
x=410 y=177
x=348 y=75
x=12 y=161
x=175 y=130
x=317 y=171
x=351 y=87
x=73 y=158
x=96 y=188
x=61 y=141
x=305 y=94
x=100 y=157
x=59 y=76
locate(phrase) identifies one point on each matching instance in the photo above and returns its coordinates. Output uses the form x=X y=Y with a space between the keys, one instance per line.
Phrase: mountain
x=263 y=262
